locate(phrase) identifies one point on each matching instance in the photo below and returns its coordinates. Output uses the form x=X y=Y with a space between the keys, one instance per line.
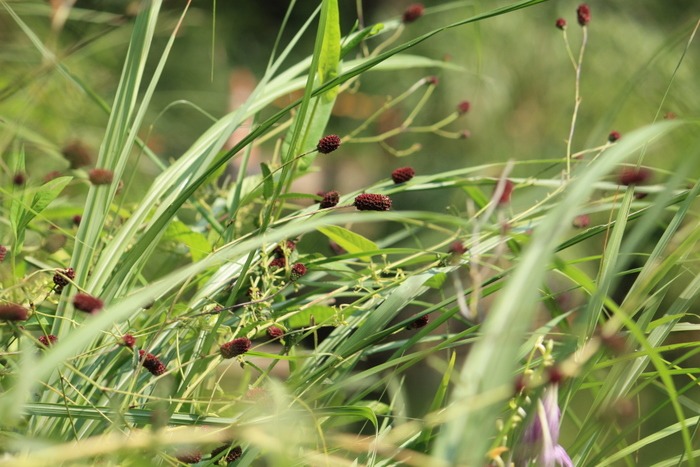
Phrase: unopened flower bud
x=328 y=144
x=413 y=12
x=583 y=14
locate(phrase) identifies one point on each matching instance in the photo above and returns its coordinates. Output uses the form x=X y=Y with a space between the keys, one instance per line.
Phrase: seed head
x=51 y=176
x=77 y=154
x=633 y=176
x=457 y=248
x=152 y=363
x=330 y=199
x=507 y=191
x=101 y=176
x=3 y=253
x=13 y=312
x=583 y=14
x=189 y=457
x=298 y=270
x=432 y=80
x=128 y=340
x=581 y=221
x=48 y=341
x=555 y=375
x=337 y=249
x=62 y=277
x=19 y=179
x=670 y=115
x=413 y=12
x=274 y=332
x=279 y=250
x=372 y=202
x=87 y=303
x=561 y=24
x=328 y=144
x=418 y=322
x=76 y=219
x=232 y=455
x=614 y=136
x=278 y=262
x=235 y=347
x=402 y=174
x=463 y=107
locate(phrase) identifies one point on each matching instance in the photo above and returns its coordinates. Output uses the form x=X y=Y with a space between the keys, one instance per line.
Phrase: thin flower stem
x=569 y=52
x=388 y=105
x=577 y=101
x=416 y=110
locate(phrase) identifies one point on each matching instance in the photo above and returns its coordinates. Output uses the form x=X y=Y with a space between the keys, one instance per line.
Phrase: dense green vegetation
x=336 y=233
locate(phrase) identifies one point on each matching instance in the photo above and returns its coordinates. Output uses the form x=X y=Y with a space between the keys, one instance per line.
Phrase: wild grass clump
x=289 y=289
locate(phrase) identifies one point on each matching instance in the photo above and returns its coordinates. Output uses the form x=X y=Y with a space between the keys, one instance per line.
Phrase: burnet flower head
x=540 y=441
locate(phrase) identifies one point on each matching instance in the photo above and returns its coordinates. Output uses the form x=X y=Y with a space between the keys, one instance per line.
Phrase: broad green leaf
x=349 y=241
x=436 y=281
x=43 y=197
x=330 y=49
x=349 y=414
x=196 y=242
x=318 y=313
x=268 y=182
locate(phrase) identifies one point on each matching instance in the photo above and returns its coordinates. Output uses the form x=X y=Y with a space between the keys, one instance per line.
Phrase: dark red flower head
x=232 y=455
x=520 y=384
x=463 y=107
x=280 y=252
x=77 y=219
x=189 y=457
x=87 y=303
x=278 y=262
x=418 y=322
x=19 y=178
x=328 y=144
x=274 y=332
x=48 y=341
x=235 y=347
x=13 y=312
x=3 y=252
x=152 y=363
x=561 y=23
x=507 y=191
x=51 y=176
x=457 y=248
x=372 y=202
x=337 y=249
x=583 y=14
x=432 y=80
x=413 y=12
x=581 y=221
x=633 y=175
x=128 y=340
x=101 y=176
x=614 y=136
x=62 y=276
x=298 y=270
x=330 y=199
x=402 y=174
x=555 y=375
x=77 y=154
